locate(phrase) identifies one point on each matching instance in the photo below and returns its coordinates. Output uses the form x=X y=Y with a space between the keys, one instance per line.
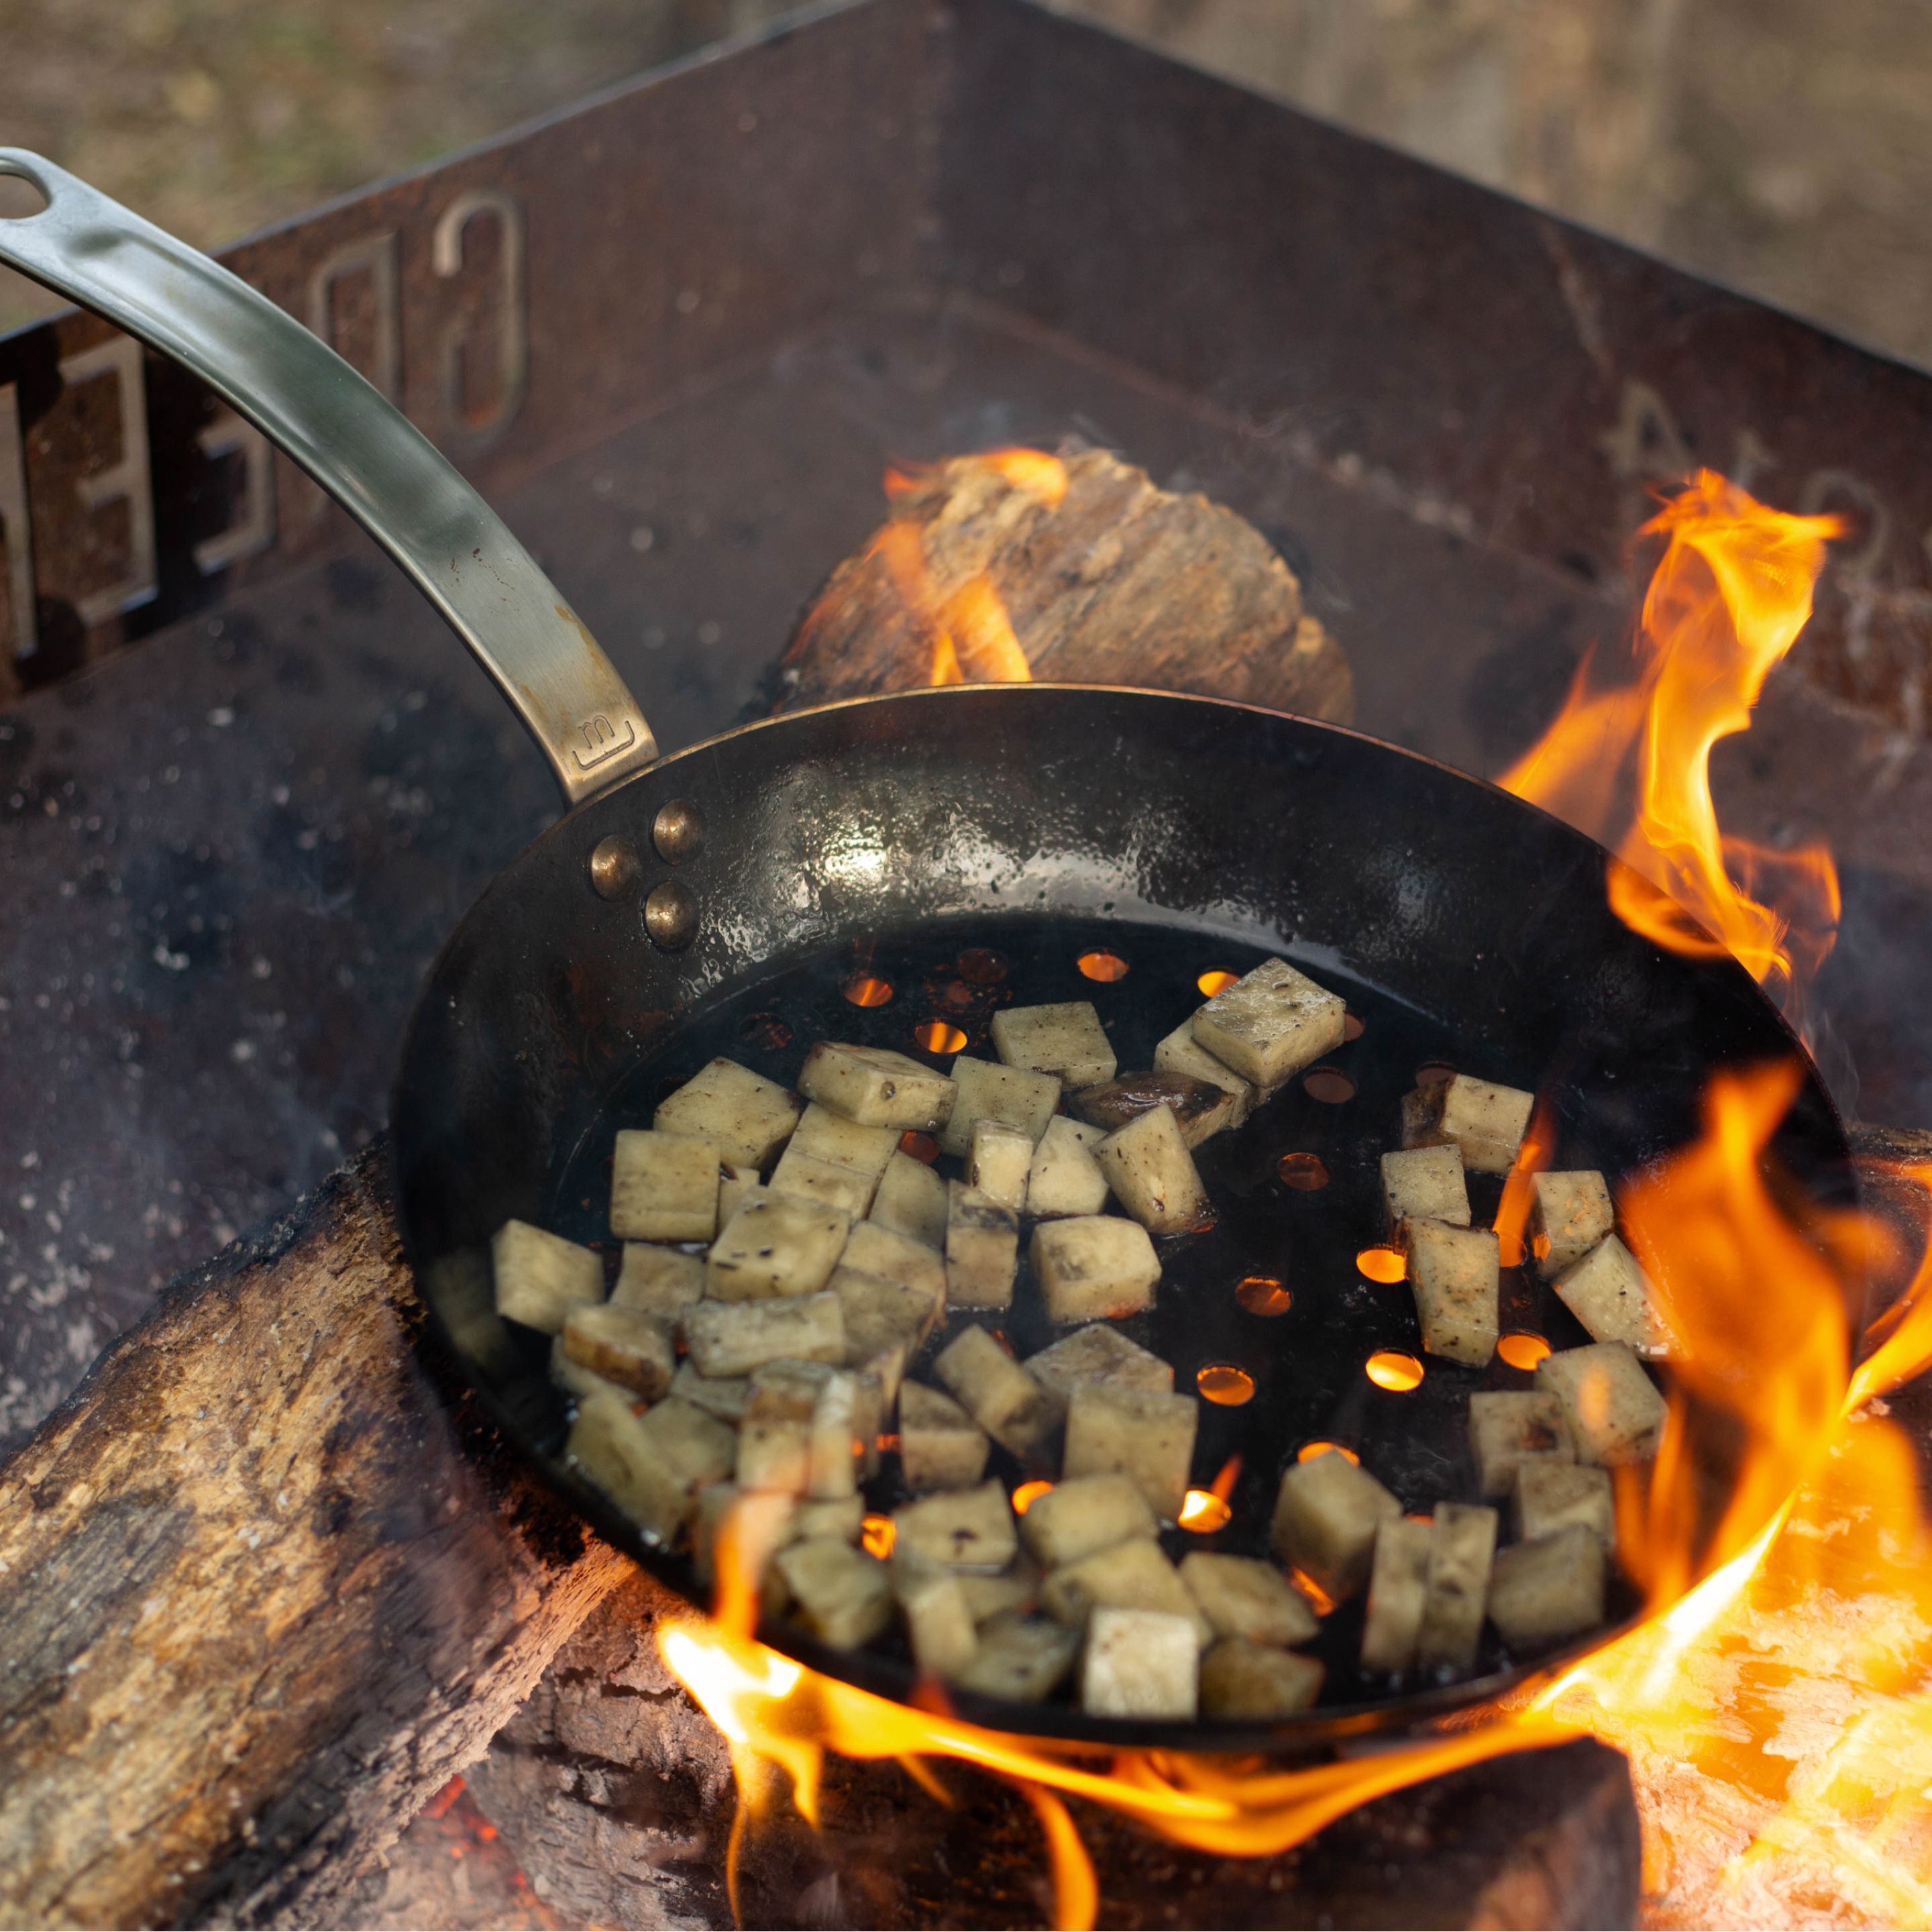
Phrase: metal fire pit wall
x=246 y=783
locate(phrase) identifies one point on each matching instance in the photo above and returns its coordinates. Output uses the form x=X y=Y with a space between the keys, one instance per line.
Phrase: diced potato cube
x=1242 y=1597
x=1067 y=1040
x=990 y=1092
x=1509 y=1428
x=1271 y=1023
x=1463 y=1543
x=734 y=1183
x=841 y=1594
x=747 y=1116
x=1398 y=1589
x=1098 y=1354
x=995 y=1391
x=724 y=1397
x=837 y=1442
x=876 y=1380
x=1612 y=1296
x=775 y=1245
x=774 y=1438
x=651 y=1466
x=983 y=1247
x=1181 y=1052
x=540 y=1277
x=842 y=1516
x=1064 y=1178
x=1148 y=1167
x=1200 y=1108
x=939 y=1624
x=1094 y=1267
x=997 y=1166
x=1130 y=1432
x=576 y=1380
x=1569 y=1214
x=1325 y=1520
x=1020 y=1660
x=880 y=1315
x=459 y=1288
x=733 y=1338
x=911 y=1201
x=964 y=1529
x=755 y=1525
x=1615 y=1412
x=1140 y=1663
x=632 y=1350
x=874 y=1250
x=940 y=1446
x=1487 y=1122
x=1133 y=1575
x=658 y=1281
x=1425 y=1184
x=1550 y=1589
x=825 y=1135
x=1241 y=1679
x=1073 y=1520
x=664 y=1187
x=1455 y=1274
x=1012 y=1591
x=806 y=1177
x=1550 y=1496
x=874 y=1087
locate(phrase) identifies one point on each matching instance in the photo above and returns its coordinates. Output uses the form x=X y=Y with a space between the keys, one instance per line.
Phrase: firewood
x=979 y=574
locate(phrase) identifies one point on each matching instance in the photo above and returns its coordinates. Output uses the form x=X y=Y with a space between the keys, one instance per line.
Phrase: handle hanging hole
x=20 y=198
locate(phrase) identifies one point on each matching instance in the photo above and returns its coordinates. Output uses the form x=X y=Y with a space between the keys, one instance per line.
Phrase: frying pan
x=962 y=847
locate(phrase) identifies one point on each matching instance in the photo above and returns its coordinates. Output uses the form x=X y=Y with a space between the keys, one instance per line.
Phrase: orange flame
x=1629 y=762
x=1532 y=1157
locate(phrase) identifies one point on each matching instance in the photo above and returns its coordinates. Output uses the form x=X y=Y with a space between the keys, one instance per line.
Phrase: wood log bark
x=1093 y=574
x=264 y=1586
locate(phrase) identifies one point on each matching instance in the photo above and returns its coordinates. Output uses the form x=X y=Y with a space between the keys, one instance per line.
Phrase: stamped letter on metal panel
x=17 y=531
x=253 y=528
x=462 y=429
x=373 y=256
x=124 y=482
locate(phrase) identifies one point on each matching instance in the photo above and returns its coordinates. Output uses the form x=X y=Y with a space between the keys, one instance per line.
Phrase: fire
x=1627 y=759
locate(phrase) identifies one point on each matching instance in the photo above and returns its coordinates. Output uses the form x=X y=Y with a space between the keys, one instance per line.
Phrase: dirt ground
x=1779 y=144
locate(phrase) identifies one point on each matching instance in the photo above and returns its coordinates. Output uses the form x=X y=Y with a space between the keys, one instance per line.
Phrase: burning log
x=1011 y=564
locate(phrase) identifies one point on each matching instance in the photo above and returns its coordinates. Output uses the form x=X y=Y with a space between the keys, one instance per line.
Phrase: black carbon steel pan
x=1032 y=822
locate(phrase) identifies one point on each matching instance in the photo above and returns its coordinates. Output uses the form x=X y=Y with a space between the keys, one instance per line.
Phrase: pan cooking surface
x=1307 y=1364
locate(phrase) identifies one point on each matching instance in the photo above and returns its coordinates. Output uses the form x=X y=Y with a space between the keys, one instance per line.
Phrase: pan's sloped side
x=839 y=828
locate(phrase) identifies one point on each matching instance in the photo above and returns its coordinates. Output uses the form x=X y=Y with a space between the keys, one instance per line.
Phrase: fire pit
x=1457 y=521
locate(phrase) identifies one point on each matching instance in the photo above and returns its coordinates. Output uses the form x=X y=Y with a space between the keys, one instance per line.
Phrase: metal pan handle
x=358 y=446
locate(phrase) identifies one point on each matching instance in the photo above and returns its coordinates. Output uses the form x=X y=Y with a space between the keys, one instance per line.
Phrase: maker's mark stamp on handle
x=601 y=741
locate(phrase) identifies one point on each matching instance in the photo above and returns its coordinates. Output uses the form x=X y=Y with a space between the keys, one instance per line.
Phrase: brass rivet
x=670 y=916
x=678 y=831
x=615 y=868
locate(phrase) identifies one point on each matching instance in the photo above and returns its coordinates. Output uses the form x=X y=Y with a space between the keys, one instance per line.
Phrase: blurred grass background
x=1781 y=145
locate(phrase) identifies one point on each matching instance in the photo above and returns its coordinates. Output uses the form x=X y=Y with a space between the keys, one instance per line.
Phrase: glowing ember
x=1204 y=1512
x=864 y=989
x=1262 y=1295
x=876 y=1534
x=1391 y=1368
x=1211 y=983
x=1383 y=1264
x=1105 y=967
x=1222 y=1383
x=1522 y=1350
x=1026 y=1494
x=1309 y=1451
x=938 y=1036
x=1306 y=1173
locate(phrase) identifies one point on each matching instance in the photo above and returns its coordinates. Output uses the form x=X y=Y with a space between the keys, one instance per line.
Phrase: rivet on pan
x=615 y=868
x=678 y=831
x=670 y=916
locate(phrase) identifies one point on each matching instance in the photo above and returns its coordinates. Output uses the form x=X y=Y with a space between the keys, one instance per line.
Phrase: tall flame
x=1627 y=759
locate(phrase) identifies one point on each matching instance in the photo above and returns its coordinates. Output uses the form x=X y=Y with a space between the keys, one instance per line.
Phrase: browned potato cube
x=1130 y=1433
x=1132 y=1575
x=898 y=1258
x=651 y=1466
x=875 y=1087
x=459 y=1288
x=804 y=1176
x=1462 y=1542
x=1181 y=1052
x=1425 y=1184
x=733 y=1338
x=724 y=1397
x=1020 y=1660
x=775 y=1440
x=1098 y=1354
x=658 y=1281
x=1569 y=1214
x=1240 y=1679
x=663 y=1187
x=1139 y=1664
x=841 y=1594
x=776 y=1245
x=632 y=1350
x=1152 y=1173
x=964 y=1529
x=1612 y=1298
x=1065 y=1179
x=1455 y=1274
x=747 y=1116
x=1548 y=1589
x=1509 y=1428
x=1094 y=1266
x=940 y=1446
x=1398 y=1589
x=1271 y=1023
x=1202 y=1109
x=1075 y=1519
x=1000 y=1160
x=939 y=1623
x=1325 y=1520
x=578 y=1380
x=881 y=1316
x=995 y=1391
x=1550 y=1496
x=540 y=1277
x=983 y=1246
x=1242 y=1597
x=824 y=1136
x=1067 y=1041
x=1487 y=1122
x=1615 y=1412
x=987 y=1092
